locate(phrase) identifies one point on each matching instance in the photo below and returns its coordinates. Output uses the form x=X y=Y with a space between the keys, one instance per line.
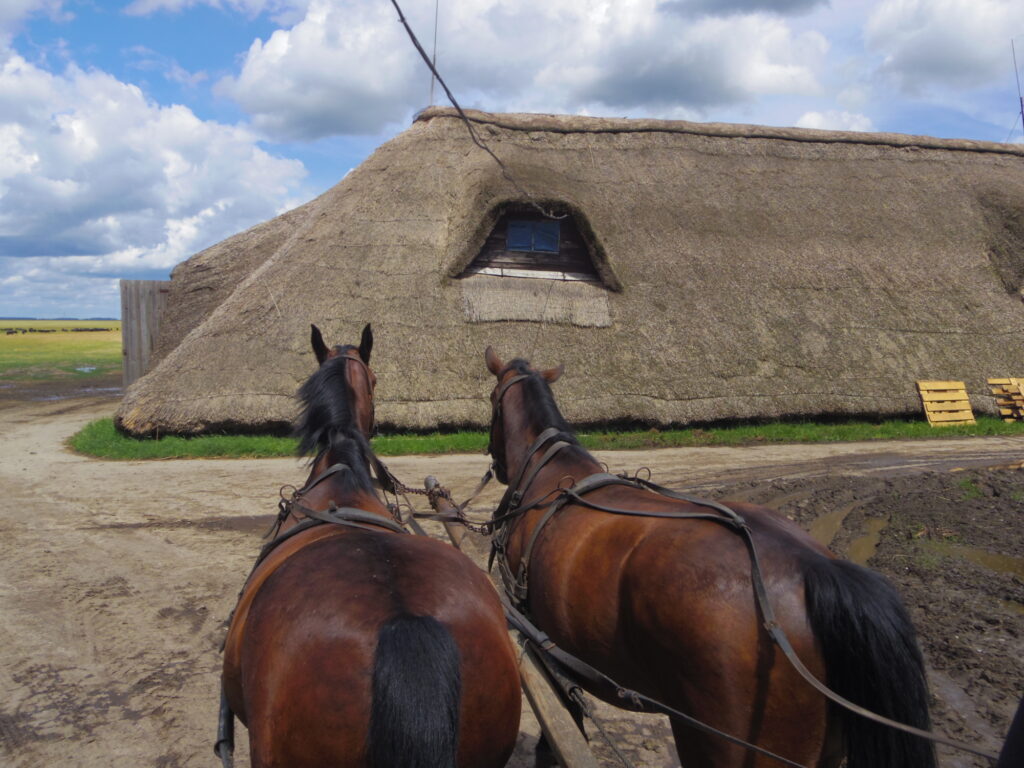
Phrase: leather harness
x=516 y=585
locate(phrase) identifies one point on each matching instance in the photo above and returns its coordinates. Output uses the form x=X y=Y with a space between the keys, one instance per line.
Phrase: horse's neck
x=570 y=460
x=347 y=487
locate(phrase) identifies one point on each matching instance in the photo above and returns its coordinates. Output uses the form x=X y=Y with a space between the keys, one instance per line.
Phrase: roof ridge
x=579 y=124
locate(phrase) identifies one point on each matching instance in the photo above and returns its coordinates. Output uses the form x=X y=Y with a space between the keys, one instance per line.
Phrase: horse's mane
x=544 y=411
x=327 y=421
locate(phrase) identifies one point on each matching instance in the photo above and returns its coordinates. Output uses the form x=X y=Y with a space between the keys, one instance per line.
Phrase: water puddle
x=991 y=560
x=777 y=502
x=863 y=547
x=82 y=392
x=824 y=529
x=742 y=497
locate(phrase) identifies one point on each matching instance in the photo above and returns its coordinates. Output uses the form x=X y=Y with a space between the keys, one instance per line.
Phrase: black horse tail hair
x=414 y=718
x=872 y=659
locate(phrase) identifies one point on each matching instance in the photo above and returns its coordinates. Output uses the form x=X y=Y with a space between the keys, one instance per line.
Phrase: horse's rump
x=351 y=634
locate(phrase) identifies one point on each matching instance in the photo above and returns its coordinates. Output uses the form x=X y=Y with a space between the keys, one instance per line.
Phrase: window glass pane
x=520 y=235
x=545 y=236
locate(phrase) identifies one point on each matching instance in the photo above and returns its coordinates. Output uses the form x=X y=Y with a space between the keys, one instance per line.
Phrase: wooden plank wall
x=142 y=304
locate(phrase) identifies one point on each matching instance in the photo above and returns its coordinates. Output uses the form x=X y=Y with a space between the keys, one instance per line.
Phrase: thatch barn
x=695 y=273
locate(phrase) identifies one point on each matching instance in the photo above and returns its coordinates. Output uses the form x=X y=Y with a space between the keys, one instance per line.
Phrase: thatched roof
x=201 y=283
x=750 y=272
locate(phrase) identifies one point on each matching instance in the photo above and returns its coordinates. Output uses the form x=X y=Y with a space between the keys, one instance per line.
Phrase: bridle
x=370 y=386
x=498 y=464
x=516 y=584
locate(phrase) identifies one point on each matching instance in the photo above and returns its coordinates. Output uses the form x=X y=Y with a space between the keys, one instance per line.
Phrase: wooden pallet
x=1009 y=394
x=945 y=403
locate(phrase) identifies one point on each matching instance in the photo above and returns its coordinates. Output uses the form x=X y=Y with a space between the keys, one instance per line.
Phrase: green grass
x=59 y=352
x=102 y=440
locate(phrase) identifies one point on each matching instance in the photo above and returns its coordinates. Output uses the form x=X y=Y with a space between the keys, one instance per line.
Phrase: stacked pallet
x=1009 y=397
x=945 y=403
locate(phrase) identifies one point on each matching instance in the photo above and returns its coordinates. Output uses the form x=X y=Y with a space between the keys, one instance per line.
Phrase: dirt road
x=116 y=577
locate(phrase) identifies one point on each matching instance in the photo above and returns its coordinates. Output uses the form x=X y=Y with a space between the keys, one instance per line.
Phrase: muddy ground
x=116 y=577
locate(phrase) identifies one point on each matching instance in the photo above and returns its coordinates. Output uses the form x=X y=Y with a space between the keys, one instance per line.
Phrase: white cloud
x=345 y=68
x=93 y=172
x=148 y=60
x=38 y=287
x=348 y=67
x=13 y=12
x=284 y=11
x=833 y=120
x=720 y=7
x=944 y=43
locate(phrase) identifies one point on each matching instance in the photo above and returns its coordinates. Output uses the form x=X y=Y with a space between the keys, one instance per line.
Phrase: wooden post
x=569 y=744
x=142 y=304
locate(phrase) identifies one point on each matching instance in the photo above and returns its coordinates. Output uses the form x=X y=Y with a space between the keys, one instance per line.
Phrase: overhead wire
x=465 y=119
x=1020 y=98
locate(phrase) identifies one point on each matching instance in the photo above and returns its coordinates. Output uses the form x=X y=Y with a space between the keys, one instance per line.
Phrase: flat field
x=47 y=350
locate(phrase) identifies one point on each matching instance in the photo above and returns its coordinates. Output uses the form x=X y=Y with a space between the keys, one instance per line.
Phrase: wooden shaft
x=569 y=744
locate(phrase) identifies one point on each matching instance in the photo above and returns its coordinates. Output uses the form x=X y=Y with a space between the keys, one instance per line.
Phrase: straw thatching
x=201 y=283
x=747 y=272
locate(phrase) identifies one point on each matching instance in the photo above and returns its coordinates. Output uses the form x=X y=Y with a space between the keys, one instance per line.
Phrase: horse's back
x=667 y=606
x=311 y=645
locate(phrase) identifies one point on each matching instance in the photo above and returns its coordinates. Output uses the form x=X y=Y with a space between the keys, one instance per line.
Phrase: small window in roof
x=528 y=244
x=540 y=235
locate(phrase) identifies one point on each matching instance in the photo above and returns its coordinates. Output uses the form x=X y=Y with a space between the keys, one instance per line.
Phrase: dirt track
x=115 y=577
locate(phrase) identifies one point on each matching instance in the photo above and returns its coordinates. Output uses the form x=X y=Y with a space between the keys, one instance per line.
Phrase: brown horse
x=667 y=607
x=356 y=643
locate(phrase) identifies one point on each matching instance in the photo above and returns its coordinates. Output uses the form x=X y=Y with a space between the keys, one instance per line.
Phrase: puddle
x=824 y=529
x=772 y=502
x=863 y=547
x=83 y=392
x=991 y=560
x=742 y=497
x=777 y=502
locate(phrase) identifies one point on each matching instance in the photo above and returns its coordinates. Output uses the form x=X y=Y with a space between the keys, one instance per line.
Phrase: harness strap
x=518 y=590
x=488 y=476
x=352 y=516
x=514 y=493
x=779 y=636
x=579 y=670
x=331 y=470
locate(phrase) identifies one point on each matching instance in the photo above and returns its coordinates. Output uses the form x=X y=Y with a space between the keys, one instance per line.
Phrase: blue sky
x=134 y=133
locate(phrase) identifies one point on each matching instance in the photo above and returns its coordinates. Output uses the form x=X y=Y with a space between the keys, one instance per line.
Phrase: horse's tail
x=414 y=717
x=872 y=659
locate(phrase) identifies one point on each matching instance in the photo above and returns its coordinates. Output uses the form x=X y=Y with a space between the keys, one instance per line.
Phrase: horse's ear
x=366 y=344
x=551 y=375
x=317 y=340
x=494 y=364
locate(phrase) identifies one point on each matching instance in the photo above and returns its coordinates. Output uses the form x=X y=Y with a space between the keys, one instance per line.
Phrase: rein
x=517 y=585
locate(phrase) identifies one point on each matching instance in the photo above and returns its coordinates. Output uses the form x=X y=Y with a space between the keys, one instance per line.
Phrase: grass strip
x=100 y=439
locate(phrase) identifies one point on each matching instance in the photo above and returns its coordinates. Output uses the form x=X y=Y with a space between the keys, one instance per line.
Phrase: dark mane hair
x=327 y=421
x=544 y=411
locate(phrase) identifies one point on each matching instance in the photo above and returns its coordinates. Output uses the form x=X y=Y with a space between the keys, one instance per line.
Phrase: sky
x=134 y=133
